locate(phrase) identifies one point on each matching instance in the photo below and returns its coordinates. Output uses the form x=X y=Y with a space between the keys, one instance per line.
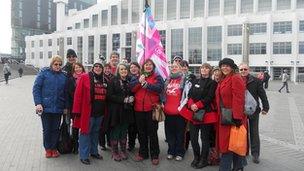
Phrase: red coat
x=82 y=103
x=232 y=91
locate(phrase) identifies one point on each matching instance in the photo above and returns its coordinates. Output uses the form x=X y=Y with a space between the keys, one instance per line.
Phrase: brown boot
x=115 y=153
x=123 y=145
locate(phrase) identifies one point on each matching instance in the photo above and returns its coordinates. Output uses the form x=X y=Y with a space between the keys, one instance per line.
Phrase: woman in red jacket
x=147 y=89
x=231 y=94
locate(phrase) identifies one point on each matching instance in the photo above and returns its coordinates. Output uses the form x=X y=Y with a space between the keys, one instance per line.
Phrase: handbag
x=158 y=113
x=226 y=114
x=64 y=145
x=199 y=115
x=238 y=140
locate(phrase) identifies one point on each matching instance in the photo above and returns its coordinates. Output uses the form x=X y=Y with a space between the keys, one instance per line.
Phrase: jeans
x=175 y=126
x=88 y=143
x=206 y=130
x=231 y=158
x=50 y=125
x=147 y=134
x=254 y=135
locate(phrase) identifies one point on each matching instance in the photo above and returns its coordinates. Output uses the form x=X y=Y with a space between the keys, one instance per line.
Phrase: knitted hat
x=229 y=62
x=98 y=61
x=71 y=52
x=177 y=58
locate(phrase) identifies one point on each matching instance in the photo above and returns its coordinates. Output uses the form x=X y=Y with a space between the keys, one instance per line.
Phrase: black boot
x=75 y=133
x=195 y=161
x=202 y=163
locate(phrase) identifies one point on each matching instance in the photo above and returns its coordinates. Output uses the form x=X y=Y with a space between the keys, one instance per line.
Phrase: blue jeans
x=50 y=125
x=231 y=158
x=88 y=143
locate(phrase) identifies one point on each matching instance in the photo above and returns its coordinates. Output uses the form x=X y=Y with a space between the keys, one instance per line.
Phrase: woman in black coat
x=120 y=111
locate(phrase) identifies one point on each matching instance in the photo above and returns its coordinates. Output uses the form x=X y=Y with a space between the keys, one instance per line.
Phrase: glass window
x=214 y=7
x=258 y=28
x=282 y=27
x=69 y=28
x=124 y=12
x=257 y=48
x=300 y=3
x=58 y=41
x=214 y=43
x=69 y=40
x=103 y=45
x=104 y=17
x=95 y=20
x=229 y=7
x=159 y=10
x=301 y=26
x=195 y=45
x=282 y=48
x=171 y=10
x=128 y=39
x=91 y=50
x=184 y=9
x=50 y=54
x=79 y=48
x=301 y=47
x=114 y=15
x=41 y=55
x=32 y=43
x=50 y=42
x=176 y=43
x=283 y=4
x=246 y=6
x=40 y=43
x=86 y=23
x=33 y=55
x=234 y=49
x=199 y=8
x=116 y=42
x=195 y=70
x=77 y=25
x=235 y=30
x=264 y=5
x=162 y=34
x=135 y=11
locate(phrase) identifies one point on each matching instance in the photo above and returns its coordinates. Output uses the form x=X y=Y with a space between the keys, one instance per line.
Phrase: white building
x=199 y=30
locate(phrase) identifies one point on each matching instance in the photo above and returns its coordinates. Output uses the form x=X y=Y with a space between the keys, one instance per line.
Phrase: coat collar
x=250 y=78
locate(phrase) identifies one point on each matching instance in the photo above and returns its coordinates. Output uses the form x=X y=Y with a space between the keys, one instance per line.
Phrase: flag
x=148 y=44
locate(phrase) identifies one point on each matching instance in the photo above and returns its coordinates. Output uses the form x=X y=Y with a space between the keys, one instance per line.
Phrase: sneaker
x=155 y=161
x=97 y=156
x=48 y=153
x=85 y=161
x=55 y=154
x=139 y=158
x=169 y=157
x=178 y=158
x=255 y=159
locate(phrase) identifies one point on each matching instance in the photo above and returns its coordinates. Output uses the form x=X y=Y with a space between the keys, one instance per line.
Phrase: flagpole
x=145 y=29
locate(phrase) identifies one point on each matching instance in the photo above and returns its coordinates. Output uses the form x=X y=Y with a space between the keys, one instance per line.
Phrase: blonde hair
x=56 y=58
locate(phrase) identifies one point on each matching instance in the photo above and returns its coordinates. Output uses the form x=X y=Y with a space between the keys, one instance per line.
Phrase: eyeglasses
x=97 y=66
x=56 y=64
x=243 y=69
x=71 y=56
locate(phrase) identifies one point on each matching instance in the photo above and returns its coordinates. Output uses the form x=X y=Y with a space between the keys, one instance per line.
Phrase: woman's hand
x=194 y=107
x=142 y=79
x=39 y=108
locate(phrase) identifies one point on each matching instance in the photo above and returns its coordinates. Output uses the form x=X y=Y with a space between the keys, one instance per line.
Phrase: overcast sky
x=5 y=29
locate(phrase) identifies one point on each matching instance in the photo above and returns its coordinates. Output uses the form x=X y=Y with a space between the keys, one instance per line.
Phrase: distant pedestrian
x=6 y=72
x=20 y=71
x=49 y=97
x=285 y=78
x=266 y=79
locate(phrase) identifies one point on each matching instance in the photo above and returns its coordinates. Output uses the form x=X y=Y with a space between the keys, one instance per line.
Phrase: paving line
x=281 y=143
x=297 y=123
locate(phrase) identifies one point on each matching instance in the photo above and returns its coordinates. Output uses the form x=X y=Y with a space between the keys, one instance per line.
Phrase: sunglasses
x=243 y=69
x=71 y=56
x=56 y=64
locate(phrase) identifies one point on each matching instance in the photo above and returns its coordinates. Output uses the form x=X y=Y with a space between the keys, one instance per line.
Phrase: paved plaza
x=282 y=136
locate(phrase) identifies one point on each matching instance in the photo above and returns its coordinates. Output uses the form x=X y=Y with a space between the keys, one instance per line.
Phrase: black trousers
x=285 y=84
x=175 y=129
x=132 y=134
x=6 y=76
x=254 y=135
x=266 y=84
x=205 y=130
x=147 y=134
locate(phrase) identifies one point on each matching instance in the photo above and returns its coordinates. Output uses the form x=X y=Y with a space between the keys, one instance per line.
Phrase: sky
x=5 y=29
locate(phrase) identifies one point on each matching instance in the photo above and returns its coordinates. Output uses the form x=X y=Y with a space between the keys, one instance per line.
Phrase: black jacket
x=255 y=87
x=119 y=112
x=71 y=86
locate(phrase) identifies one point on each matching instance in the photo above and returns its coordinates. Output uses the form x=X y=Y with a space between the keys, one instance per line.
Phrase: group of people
x=118 y=100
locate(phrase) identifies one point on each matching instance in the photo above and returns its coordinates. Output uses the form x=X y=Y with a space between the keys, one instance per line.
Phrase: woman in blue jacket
x=50 y=101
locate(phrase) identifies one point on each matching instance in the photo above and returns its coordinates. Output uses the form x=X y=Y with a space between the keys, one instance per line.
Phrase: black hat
x=228 y=61
x=71 y=52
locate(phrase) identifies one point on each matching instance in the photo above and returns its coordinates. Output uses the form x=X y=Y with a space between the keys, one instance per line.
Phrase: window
x=50 y=42
x=195 y=70
x=195 y=45
x=50 y=54
x=86 y=23
x=33 y=55
x=300 y=3
x=214 y=7
x=301 y=47
x=264 y=5
x=176 y=43
x=40 y=43
x=257 y=48
x=114 y=15
x=58 y=41
x=282 y=27
x=283 y=4
x=40 y=55
x=116 y=42
x=184 y=9
x=91 y=50
x=128 y=39
x=69 y=28
x=229 y=7
x=282 y=48
x=95 y=20
x=235 y=30
x=162 y=34
x=257 y=69
x=104 y=17
x=135 y=11
x=79 y=48
x=258 y=28
x=234 y=49
x=214 y=43
x=246 y=6
x=69 y=41
x=171 y=10
x=199 y=8
x=124 y=12
x=32 y=43
x=103 y=45
x=77 y=26
x=301 y=26
x=159 y=10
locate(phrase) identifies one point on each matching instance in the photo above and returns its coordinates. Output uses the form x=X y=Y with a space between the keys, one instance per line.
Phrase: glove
x=237 y=122
x=126 y=100
x=131 y=99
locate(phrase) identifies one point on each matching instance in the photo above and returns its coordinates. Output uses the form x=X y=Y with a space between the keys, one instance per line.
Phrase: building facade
x=36 y=17
x=269 y=34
